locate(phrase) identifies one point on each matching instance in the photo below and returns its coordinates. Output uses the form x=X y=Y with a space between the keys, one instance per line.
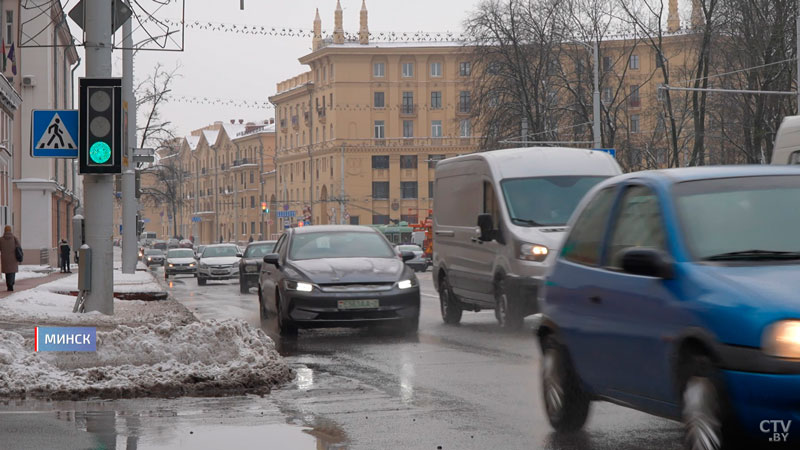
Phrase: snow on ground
x=28 y=271
x=156 y=360
x=138 y=281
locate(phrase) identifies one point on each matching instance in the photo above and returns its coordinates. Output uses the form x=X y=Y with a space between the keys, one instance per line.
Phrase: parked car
x=185 y=243
x=675 y=293
x=337 y=275
x=218 y=262
x=153 y=256
x=160 y=245
x=250 y=264
x=520 y=200
x=180 y=261
x=420 y=262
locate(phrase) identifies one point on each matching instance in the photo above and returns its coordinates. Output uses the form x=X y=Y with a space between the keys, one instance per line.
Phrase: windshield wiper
x=754 y=255
x=530 y=222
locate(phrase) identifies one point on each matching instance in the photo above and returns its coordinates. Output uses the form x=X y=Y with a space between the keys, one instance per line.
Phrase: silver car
x=420 y=262
x=218 y=262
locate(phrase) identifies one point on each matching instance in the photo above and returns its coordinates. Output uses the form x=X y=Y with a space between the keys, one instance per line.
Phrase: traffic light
x=139 y=225
x=264 y=208
x=100 y=148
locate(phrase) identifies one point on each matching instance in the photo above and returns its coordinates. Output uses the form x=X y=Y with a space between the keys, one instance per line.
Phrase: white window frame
x=636 y=123
x=379 y=129
x=461 y=66
x=408 y=69
x=436 y=69
x=465 y=128
x=436 y=129
x=378 y=70
x=634 y=62
x=408 y=132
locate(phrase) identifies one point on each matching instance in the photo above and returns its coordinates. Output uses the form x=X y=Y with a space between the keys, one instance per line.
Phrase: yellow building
x=359 y=133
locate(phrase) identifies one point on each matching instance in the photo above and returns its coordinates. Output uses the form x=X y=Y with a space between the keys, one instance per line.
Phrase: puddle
x=198 y=424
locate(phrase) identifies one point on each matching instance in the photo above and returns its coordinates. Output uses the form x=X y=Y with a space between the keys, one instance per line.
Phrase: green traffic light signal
x=100 y=152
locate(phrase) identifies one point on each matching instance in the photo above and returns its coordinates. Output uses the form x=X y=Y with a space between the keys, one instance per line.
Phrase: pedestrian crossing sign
x=54 y=133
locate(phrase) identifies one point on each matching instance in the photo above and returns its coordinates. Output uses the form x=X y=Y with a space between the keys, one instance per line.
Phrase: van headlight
x=533 y=252
x=782 y=339
x=299 y=286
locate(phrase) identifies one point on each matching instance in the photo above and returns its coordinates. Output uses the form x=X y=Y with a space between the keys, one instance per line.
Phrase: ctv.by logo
x=778 y=429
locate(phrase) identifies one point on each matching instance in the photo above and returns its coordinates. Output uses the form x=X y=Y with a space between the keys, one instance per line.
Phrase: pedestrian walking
x=64 y=250
x=10 y=256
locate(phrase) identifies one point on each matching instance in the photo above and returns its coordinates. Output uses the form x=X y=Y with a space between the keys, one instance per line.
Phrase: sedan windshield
x=343 y=244
x=153 y=251
x=182 y=253
x=545 y=201
x=258 y=250
x=748 y=218
x=218 y=252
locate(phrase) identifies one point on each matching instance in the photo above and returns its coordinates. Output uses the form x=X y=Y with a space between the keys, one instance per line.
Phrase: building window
x=436 y=128
x=635 y=128
x=380 y=190
x=408 y=102
x=379 y=162
x=354 y=220
x=252 y=228
x=433 y=159
x=430 y=189
x=466 y=129
x=635 y=100
x=380 y=100
x=409 y=218
x=608 y=95
x=634 y=62
x=436 y=100
x=408 y=70
x=378 y=70
x=607 y=64
x=463 y=101
x=9 y=27
x=379 y=130
x=408 y=161
x=464 y=69
x=408 y=128
x=380 y=219
x=252 y=202
x=436 y=69
x=408 y=189
x=252 y=177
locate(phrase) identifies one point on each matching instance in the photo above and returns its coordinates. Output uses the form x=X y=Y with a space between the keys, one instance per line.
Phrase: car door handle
x=596 y=300
x=448 y=233
x=476 y=240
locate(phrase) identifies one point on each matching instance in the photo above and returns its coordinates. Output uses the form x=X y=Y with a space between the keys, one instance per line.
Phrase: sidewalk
x=30 y=283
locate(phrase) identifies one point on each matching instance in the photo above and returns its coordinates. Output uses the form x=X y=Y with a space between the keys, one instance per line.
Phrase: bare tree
x=170 y=177
x=151 y=94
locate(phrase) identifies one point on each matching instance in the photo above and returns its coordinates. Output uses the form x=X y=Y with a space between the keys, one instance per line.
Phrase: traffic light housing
x=264 y=208
x=100 y=147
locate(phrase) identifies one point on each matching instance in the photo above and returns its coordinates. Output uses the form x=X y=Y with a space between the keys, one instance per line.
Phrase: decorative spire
x=673 y=20
x=697 y=14
x=316 y=42
x=338 y=28
x=363 y=31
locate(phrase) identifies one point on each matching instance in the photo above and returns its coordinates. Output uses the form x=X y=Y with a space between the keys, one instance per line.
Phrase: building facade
x=359 y=133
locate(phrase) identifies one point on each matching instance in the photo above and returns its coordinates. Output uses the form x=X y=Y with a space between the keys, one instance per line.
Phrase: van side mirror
x=271 y=258
x=648 y=262
x=486 y=227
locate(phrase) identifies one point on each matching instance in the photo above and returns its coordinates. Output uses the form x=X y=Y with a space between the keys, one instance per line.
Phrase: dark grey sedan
x=250 y=264
x=337 y=276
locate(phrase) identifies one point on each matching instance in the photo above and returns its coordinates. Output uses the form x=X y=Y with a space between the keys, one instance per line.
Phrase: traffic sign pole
x=98 y=188
x=129 y=203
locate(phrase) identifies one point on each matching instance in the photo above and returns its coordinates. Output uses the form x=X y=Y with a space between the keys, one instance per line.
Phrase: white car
x=180 y=261
x=218 y=262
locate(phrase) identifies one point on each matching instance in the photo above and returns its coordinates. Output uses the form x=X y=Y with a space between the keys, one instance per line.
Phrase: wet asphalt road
x=471 y=386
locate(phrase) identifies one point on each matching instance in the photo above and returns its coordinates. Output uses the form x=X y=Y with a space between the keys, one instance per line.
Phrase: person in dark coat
x=64 y=251
x=8 y=257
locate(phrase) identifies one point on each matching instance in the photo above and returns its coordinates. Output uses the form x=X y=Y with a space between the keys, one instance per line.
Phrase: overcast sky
x=227 y=65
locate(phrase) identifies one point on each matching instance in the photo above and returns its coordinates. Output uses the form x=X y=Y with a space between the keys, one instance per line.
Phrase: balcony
x=408 y=110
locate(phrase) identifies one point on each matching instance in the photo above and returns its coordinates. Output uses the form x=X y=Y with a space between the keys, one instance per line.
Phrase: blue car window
x=638 y=224
x=584 y=241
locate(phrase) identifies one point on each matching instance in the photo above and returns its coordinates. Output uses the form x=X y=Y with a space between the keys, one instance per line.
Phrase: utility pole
x=798 y=53
x=98 y=189
x=341 y=191
x=598 y=139
x=129 y=206
x=263 y=230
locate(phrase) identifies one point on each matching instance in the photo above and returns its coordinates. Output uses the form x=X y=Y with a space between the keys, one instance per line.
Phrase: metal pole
x=797 y=14
x=341 y=192
x=598 y=139
x=129 y=256
x=98 y=189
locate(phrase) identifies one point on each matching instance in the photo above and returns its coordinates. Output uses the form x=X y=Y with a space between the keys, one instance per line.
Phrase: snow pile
x=143 y=282
x=28 y=271
x=41 y=307
x=157 y=360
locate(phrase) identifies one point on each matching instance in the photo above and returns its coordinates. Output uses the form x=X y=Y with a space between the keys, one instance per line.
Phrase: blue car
x=677 y=293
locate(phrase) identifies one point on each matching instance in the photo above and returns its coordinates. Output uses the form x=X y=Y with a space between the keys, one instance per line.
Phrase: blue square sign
x=54 y=133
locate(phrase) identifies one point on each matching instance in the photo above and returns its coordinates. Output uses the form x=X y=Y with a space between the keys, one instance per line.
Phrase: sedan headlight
x=149 y=258
x=782 y=339
x=533 y=252
x=171 y=265
x=191 y=264
x=405 y=284
x=299 y=286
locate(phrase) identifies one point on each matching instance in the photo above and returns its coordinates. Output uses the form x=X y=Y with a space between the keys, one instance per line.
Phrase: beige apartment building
x=359 y=133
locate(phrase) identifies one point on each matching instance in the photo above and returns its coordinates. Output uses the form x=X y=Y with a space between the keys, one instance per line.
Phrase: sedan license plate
x=359 y=304
x=219 y=272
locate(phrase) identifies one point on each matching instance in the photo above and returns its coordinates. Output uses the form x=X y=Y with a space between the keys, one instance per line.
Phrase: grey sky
x=227 y=65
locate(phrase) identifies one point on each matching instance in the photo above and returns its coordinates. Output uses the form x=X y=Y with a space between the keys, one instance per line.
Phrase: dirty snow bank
x=157 y=360
x=143 y=282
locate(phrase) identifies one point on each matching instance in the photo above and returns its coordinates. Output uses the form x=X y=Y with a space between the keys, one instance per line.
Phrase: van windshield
x=545 y=201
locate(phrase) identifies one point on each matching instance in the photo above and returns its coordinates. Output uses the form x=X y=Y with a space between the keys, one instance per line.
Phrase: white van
x=787 y=142
x=499 y=218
